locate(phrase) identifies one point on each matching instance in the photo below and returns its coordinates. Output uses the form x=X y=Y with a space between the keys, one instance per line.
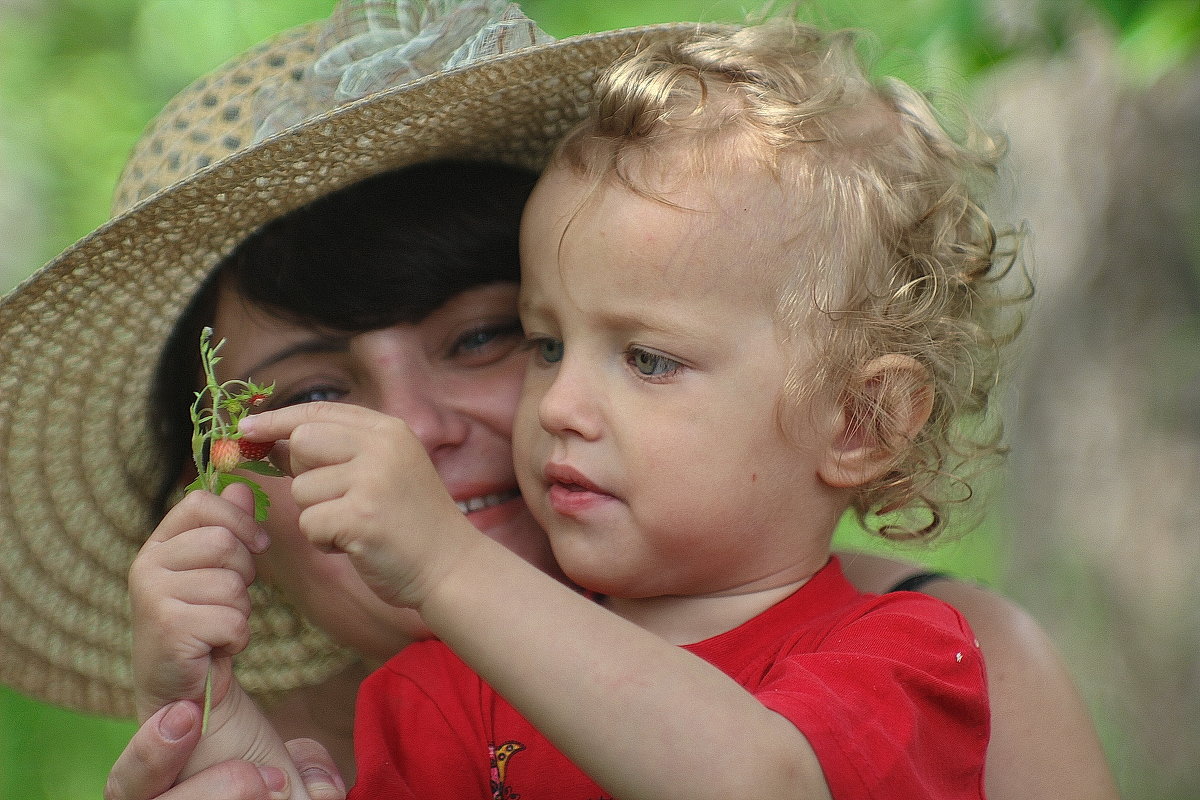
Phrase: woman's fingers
x=320 y=775
x=150 y=764
x=152 y=761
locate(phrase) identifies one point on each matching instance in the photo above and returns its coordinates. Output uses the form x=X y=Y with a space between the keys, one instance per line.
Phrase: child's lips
x=570 y=492
x=569 y=476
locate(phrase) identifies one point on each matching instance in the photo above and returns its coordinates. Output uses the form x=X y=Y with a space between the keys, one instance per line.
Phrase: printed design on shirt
x=498 y=757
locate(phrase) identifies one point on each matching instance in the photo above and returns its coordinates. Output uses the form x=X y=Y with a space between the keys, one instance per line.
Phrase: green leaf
x=261 y=501
x=262 y=468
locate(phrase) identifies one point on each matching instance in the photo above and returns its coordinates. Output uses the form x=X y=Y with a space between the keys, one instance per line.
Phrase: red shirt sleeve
x=894 y=703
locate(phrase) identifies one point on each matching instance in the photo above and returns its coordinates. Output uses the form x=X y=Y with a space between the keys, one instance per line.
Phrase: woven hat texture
x=305 y=113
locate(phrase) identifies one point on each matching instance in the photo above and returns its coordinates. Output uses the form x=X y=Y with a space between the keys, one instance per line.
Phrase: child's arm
x=190 y=610
x=660 y=722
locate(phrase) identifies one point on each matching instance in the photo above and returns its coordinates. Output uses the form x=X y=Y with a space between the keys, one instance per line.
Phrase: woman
x=76 y=380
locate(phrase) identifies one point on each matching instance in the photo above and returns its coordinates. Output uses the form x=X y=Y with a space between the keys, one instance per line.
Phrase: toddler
x=758 y=292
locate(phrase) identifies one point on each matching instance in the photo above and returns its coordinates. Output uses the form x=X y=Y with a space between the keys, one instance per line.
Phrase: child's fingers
x=281 y=457
x=216 y=630
x=270 y=426
x=206 y=548
x=159 y=596
x=320 y=444
x=240 y=495
x=311 y=488
x=203 y=509
x=175 y=642
x=210 y=608
x=324 y=524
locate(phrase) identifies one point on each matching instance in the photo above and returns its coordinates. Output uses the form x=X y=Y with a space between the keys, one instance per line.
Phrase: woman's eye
x=488 y=341
x=652 y=365
x=316 y=394
x=548 y=350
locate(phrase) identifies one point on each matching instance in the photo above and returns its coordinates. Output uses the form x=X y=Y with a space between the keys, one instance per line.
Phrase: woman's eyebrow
x=314 y=346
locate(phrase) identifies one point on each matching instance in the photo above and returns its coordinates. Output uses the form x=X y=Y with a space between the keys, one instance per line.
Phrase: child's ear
x=876 y=419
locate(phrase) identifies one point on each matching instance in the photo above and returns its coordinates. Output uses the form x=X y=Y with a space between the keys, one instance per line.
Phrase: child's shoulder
x=918 y=631
x=892 y=621
x=900 y=607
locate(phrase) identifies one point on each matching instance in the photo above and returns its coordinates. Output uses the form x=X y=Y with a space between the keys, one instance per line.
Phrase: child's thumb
x=241 y=496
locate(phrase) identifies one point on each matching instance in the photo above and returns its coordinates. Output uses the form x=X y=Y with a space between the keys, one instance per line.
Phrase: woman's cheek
x=495 y=397
x=326 y=589
x=280 y=562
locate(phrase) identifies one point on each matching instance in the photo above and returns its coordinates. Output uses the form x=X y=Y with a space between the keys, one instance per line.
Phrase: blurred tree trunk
x=1104 y=492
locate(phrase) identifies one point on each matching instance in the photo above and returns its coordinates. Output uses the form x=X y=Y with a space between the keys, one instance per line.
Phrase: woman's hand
x=151 y=763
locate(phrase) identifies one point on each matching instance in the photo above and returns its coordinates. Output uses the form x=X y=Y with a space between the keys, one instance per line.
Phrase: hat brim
x=80 y=339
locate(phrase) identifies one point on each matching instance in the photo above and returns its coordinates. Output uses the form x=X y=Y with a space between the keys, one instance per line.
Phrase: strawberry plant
x=217 y=446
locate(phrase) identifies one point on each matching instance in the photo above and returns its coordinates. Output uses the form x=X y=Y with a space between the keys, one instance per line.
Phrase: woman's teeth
x=487 y=501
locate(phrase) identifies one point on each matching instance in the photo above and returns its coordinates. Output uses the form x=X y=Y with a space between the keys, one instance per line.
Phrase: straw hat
x=377 y=86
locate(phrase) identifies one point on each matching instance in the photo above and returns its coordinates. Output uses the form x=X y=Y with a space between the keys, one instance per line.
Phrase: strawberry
x=254 y=451
x=225 y=455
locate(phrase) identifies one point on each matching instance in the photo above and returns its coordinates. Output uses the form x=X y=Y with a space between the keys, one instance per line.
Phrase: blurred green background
x=80 y=78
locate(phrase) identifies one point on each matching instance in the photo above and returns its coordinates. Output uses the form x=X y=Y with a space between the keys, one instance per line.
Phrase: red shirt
x=889 y=690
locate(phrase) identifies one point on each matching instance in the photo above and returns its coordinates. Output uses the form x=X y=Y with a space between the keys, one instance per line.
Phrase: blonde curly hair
x=896 y=254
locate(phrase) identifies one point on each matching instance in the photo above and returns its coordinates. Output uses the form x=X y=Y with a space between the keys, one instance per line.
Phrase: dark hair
x=390 y=249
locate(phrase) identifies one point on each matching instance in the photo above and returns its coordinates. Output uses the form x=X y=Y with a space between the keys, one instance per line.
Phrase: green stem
x=207 y=700
x=209 y=360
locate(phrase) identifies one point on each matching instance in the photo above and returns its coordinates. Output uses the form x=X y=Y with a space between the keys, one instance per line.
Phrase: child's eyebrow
x=625 y=321
x=318 y=345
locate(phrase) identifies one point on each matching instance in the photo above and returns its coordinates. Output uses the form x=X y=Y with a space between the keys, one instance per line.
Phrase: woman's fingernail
x=276 y=781
x=320 y=783
x=177 y=722
x=247 y=424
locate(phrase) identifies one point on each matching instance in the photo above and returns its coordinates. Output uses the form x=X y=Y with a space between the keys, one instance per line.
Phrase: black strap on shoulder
x=913 y=583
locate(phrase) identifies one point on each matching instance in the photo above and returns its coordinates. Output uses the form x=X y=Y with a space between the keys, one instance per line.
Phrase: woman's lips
x=472 y=504
x=489 y=511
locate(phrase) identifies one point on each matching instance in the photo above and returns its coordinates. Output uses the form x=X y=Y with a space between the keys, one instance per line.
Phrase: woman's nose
x=407 y=385
x=431 y=416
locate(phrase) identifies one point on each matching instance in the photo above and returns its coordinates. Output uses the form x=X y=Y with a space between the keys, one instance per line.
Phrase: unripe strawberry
x=254 y=451
x=225 y=455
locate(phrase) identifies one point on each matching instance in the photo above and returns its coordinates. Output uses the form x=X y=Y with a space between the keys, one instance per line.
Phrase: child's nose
x=570 y=402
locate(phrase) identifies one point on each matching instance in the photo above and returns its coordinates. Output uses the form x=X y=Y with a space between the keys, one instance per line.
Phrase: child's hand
x=187 y=588
x=366 y=487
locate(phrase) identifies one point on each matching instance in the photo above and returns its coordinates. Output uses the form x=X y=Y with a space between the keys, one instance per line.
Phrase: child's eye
x=650 y=364
x=547 y=349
